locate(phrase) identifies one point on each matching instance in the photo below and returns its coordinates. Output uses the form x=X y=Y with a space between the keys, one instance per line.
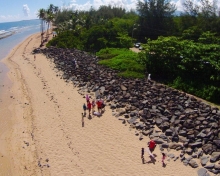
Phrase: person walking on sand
x=87 y=97
x=102 y=104
x=147 y=150
x=152 y=145
x=89 y=106
x=151 y=156
x=163 y=158
x=99 y=106
x=93 y=106
x=84 y=108
x=142 y=155
x=34 y=57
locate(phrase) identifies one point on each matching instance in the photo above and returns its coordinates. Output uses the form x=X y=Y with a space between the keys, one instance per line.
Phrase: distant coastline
x=17 y=21
x=9 y=28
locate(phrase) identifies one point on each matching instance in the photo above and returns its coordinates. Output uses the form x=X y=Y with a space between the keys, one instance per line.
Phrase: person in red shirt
x=152 y=145
x=89 y=106
x=99 y=105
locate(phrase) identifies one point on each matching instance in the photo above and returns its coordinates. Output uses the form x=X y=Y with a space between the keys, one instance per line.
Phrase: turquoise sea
x=11 y=34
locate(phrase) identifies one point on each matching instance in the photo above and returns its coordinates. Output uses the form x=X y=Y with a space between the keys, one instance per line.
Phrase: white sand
x=46 y=124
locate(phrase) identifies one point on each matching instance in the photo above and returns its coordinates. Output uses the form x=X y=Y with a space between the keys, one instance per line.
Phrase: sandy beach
x=43 y=132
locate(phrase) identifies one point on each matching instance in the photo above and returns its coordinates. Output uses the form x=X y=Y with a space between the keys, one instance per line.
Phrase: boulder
x=168 y=132
x=195 y=144
x=132 y=120
x=189 y=151
x=174 y=145
x=214 y=157
x=203 y=172
x=165 y=145
x=210 y=166
x=213 y=171
x=200 y=153
x=158 y=141
x=217 y=142
x=207 y=148
x=123 y=88
x=217 y=167
x=204 y=160
x=193 y=164
x=121 y=111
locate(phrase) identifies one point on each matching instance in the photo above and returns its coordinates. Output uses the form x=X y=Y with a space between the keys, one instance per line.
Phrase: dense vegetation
x=94 y=30
x=181 y=51
x=193 y=67
x=123 y=60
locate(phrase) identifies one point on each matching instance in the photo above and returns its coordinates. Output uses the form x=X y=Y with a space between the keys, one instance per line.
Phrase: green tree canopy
x=155 y=17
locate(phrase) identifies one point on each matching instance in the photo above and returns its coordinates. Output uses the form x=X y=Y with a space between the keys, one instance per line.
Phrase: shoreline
x=47 y=138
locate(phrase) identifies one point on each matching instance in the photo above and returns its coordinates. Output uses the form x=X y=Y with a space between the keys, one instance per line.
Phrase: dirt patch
x=135 y=50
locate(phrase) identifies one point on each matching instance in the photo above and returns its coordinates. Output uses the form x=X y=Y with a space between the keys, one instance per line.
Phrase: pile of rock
x=183 y=122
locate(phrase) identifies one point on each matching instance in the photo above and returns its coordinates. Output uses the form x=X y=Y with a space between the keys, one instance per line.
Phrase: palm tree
x=50 y=15
x=51 y=8
x=41 y=15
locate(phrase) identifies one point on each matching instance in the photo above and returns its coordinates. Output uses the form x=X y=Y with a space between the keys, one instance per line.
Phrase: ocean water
x=11 y=34
x=18 y=31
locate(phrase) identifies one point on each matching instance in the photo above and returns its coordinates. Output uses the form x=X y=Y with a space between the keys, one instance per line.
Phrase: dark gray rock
x=207 y=148
x=182 y=139
x=165 y=145
x=158 y=141
x=185 y=162
x=126 y=116
x=200 y=153
x=210 y=166
x=217 y=143
x=168 y=132
x=203 y=172
x=182 y=133
x=213 y=171
x=215 y=157
x=174 y=145
x=217 y=167
x=158 y=121
x=163 y=136
x=189 y=151
x=193 y=164
x=194 y=155
x=155 y=135
x=195 y=144
x=139 y=125
x=204 y=160
x=146 y=133
x=165 y=125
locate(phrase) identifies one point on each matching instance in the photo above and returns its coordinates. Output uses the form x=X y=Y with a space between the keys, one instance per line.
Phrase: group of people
x=149 y=150
x=91 y=104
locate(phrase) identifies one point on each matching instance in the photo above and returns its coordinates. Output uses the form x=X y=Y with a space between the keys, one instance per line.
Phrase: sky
x=16 y=10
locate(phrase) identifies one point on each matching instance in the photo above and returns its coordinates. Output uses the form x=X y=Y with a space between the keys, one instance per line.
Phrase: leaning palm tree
x=49 y=18
x=51 y=8
x=41 y=15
